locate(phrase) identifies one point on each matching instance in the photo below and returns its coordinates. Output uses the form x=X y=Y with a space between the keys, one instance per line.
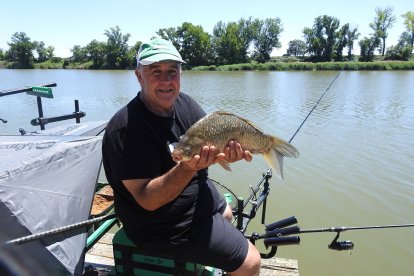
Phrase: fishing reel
x=280 y=233
x=340 y=245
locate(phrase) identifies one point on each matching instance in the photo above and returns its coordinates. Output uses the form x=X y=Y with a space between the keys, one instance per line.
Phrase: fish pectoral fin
x=224 y=164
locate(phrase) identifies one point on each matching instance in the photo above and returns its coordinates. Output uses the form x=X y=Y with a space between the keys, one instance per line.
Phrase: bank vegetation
x=243 y=45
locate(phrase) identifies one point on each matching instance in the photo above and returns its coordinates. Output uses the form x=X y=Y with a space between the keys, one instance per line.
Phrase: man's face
x=160 y=84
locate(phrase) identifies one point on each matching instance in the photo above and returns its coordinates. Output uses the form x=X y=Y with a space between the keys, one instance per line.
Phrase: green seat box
x=131 y=261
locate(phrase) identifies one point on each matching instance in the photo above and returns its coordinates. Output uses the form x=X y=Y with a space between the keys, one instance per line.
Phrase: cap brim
x=159 y=58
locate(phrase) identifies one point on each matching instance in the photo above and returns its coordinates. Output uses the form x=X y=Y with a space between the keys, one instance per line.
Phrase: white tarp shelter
x=46 y=182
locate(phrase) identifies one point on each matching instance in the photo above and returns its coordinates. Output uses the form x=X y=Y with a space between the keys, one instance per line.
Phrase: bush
x=399 y=53
x=56 y=59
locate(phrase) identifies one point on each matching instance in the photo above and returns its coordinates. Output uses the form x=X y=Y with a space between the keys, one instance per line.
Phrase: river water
x=356 y=150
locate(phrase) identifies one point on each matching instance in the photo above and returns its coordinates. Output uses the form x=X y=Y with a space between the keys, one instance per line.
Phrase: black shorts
x=219 y=244
x=213 y=242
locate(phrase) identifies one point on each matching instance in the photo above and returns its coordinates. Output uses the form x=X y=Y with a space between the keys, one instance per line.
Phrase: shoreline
x=378 y=65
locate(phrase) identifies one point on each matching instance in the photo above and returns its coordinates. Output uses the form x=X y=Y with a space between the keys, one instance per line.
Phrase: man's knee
x=251 y=264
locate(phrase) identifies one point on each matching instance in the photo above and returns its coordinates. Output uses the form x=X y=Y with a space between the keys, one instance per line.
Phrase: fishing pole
x=59 y=230
x=279 y=233
x=24 y=89
x=316 y=104
x=349 y=245
x=342 y=228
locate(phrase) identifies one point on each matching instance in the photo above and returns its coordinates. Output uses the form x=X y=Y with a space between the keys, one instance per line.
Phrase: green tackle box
x=131 y=261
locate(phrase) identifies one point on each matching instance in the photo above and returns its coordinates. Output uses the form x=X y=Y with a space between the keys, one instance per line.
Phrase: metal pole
x=40 y=108
x=77 y=111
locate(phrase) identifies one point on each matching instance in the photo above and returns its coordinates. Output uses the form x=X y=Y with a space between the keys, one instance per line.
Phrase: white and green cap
x=157 y=50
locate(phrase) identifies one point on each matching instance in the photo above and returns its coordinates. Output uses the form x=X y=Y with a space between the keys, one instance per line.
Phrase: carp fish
x=219 y=128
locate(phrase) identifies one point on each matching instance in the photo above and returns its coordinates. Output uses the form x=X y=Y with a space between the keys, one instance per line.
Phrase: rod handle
x=281 y=223
x=276 y=241
x=282 y=232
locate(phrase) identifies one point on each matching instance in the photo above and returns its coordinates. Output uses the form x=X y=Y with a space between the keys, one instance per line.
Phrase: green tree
x=382 y=23
x=79 y=53
x=195 y=45
x=342 y=41
x=232 y=41
x=409 y=24
x=132 y=54
x=405 y=39
x=2 y=56
x=50 y=52
x=403 y=49
x=41 y=51
x=116 y=48
x=351 y=34
x=21 y=50
x=95 y=51
x=296 y=48
x=170 y=34
x=248 y=34
x=227 y=43
x=267 y=39
x=368 y=46
x=321 y=40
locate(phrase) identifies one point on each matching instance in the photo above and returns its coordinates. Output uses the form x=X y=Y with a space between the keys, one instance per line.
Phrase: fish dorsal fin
x=243 y=119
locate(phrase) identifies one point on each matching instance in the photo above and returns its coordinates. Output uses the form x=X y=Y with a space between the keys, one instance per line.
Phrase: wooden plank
x=279 y=266
x=94 y=259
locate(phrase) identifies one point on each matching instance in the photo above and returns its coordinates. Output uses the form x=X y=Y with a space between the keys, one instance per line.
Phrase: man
x=167 y=207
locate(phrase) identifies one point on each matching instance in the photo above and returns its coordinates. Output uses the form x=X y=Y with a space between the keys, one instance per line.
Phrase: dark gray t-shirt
x=136 y=146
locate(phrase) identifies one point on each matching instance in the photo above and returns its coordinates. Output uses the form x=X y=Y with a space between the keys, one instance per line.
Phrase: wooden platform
x=101 y=258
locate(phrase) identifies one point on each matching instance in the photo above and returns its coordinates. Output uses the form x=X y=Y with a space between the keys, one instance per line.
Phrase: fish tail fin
x=274 y=157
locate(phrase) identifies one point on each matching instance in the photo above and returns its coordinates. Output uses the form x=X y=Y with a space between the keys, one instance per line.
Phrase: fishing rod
x=316 y=104
x=24 y=89
x=59 y=230
x=349 y=245
x=280 y=233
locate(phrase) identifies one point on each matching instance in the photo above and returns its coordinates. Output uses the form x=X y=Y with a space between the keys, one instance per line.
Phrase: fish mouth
x=176 y=158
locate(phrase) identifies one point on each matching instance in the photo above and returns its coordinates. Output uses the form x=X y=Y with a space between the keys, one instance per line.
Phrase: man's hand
x=209 y=155
x=234 y=152
x=206 y=158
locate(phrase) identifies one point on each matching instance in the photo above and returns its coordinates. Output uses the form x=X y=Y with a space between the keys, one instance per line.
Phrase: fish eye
x=187 y=150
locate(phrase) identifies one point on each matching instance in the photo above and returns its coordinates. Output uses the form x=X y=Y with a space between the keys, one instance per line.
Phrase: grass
x=308 y=66
x=276 y=64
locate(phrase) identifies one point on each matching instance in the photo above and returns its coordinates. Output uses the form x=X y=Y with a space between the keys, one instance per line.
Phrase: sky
x=65 y=23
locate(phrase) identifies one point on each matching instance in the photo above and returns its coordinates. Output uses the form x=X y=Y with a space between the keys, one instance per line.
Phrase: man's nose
x=165 y=77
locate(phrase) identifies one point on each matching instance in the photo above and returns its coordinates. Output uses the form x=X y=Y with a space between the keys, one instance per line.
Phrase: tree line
x=243 y=41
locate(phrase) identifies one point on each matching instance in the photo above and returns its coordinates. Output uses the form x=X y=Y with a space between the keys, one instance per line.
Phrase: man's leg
x=251 y=265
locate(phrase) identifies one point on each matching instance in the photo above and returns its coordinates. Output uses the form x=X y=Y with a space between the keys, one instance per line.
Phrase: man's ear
x=138 y=74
